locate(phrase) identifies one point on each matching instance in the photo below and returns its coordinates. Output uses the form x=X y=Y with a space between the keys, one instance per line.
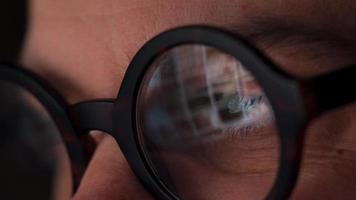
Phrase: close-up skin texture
x=82 y=48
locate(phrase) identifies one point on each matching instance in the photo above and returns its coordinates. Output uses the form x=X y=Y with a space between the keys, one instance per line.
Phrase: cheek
x=231 y=168
x=325 y=177
x=199 y=180
x=329 y=162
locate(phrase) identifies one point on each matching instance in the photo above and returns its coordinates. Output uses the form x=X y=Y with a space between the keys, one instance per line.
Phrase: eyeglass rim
x=56 y=107
x=287 y=104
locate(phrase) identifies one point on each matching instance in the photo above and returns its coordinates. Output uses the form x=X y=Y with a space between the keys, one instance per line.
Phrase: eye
x=200 y=97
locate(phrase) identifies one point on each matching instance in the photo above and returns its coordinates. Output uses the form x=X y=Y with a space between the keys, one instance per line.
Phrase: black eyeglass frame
x=295 y=103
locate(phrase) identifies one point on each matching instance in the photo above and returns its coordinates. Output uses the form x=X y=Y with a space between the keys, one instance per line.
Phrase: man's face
x=83 y=49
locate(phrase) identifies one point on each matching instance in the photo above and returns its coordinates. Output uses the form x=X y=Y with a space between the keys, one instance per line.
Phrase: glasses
x=201 y=114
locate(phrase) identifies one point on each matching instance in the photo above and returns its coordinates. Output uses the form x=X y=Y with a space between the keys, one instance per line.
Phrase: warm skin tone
x=83 y=48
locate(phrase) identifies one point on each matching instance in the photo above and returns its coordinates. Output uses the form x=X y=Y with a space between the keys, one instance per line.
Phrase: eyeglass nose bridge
x=92 y=115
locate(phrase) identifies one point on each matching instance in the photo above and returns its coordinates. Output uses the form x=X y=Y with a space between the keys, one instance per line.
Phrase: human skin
x=82 y=48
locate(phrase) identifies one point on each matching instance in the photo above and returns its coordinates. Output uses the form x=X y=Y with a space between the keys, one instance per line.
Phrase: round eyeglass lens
x=206 y=127
x=34 y=160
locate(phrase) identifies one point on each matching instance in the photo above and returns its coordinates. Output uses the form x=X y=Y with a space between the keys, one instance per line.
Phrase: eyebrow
x=271 y=34
x=269 y=30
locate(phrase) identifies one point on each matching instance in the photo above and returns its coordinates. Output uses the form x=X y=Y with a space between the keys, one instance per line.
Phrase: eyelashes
x=244 y=104
x=246 y=115
x=234 y=115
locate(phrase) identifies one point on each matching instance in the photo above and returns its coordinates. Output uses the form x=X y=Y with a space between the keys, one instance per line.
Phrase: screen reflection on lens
x=206 y=126
x=37 y=165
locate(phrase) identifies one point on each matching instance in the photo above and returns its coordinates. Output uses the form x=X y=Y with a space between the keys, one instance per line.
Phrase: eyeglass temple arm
x=330 y=91
x=92 y=115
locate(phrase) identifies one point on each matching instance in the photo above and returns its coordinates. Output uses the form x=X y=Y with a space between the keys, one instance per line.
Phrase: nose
x=109 y=176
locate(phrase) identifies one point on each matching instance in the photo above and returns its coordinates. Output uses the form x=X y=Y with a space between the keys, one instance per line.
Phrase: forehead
x=303 y=37
x=130 y=23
